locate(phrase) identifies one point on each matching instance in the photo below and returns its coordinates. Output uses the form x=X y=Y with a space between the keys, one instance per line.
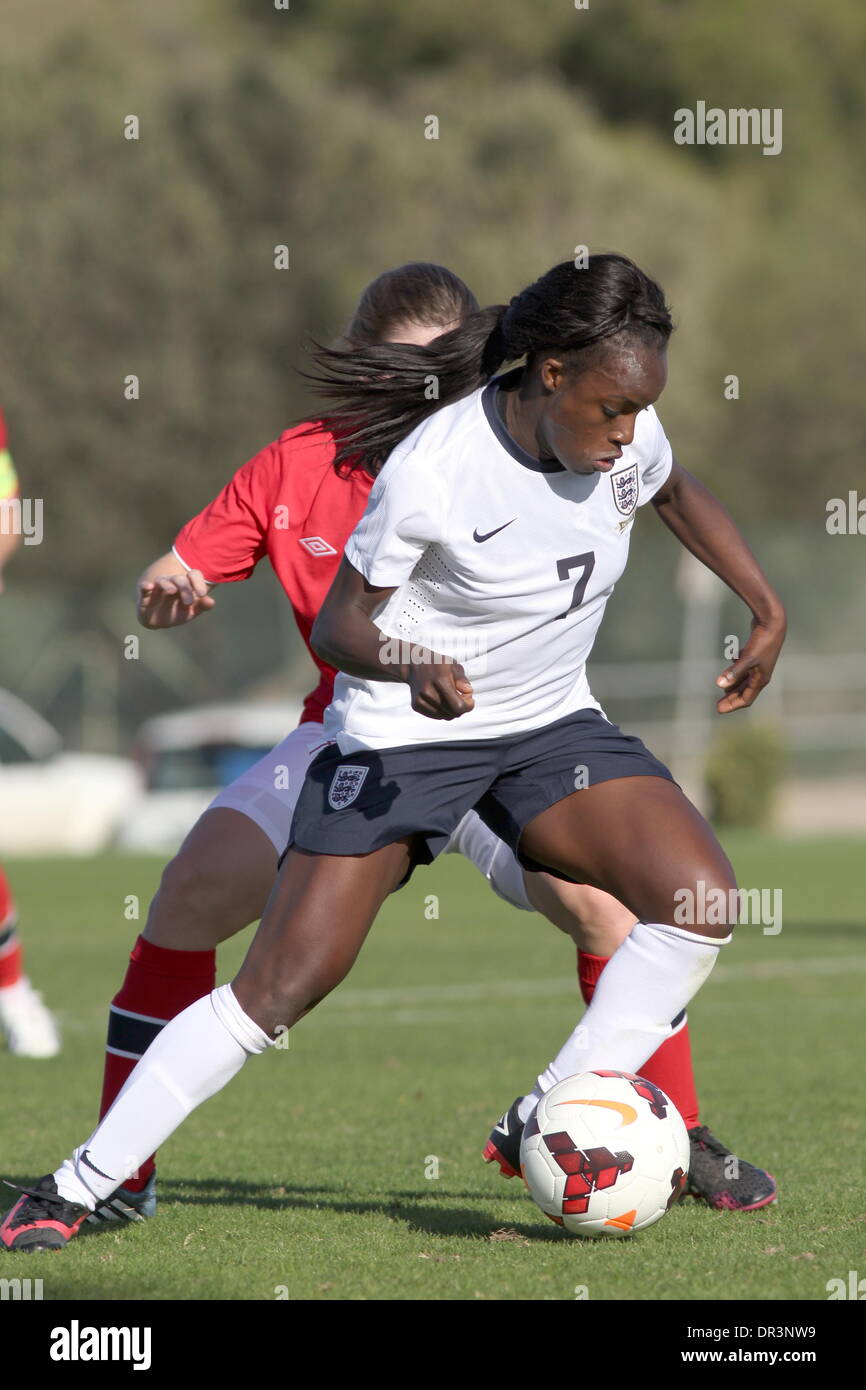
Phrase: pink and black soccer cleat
x=41 y=1219
x=719 y=1178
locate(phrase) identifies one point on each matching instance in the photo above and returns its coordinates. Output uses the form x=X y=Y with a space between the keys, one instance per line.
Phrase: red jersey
x=289 y=504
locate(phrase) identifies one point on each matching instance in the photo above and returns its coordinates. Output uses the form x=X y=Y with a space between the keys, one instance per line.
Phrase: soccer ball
x=605 y=1153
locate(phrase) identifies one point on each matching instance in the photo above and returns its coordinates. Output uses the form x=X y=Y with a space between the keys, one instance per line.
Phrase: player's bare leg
x=217 y=883
x=594 y=920
x=315 y=923
x=639 y=839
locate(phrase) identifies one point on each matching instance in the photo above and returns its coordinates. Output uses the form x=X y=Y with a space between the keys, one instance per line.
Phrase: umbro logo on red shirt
x=316 y=546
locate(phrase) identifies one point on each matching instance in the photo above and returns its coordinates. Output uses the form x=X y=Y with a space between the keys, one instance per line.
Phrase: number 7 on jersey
x=564 y=567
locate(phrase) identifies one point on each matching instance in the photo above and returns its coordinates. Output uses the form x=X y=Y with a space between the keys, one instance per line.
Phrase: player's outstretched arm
x=703 y=526
x=169 y=595
x=345 y=636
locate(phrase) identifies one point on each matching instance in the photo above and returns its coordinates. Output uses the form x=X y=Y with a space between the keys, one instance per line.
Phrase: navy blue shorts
x=355 y=803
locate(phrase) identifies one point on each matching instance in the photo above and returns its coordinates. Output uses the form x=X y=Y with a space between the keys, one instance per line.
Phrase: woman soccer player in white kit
x=494 y=530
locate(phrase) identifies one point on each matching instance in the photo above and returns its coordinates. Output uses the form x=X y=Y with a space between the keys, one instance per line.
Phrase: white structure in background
x=53 y=802
x=187 y=758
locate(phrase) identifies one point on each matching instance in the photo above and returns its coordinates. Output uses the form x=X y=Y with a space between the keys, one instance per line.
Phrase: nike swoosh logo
x=482 y=539
x=627 y=1113
x=85 y=1159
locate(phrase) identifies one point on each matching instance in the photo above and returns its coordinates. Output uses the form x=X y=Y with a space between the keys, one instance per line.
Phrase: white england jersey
x=502 y=562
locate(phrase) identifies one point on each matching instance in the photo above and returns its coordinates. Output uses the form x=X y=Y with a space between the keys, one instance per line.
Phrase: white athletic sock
x=492 y=857
x=647 y=982
x=192 y=1058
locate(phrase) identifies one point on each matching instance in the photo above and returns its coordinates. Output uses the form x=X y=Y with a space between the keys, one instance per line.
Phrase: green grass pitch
x=311 y=1176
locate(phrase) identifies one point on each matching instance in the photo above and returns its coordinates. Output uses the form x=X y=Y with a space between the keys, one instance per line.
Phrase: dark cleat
x=41 y=1219
x=503 y=1146
x=719 y=1178
x=124 y=1205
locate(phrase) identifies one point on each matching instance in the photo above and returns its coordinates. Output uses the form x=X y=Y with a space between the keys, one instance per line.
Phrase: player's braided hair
x=378 y=394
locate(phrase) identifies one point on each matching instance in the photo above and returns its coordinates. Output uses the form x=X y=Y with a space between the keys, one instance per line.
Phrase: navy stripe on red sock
x=129 y=1034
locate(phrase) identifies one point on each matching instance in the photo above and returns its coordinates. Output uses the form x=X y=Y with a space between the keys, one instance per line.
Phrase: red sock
x=11 y=958
x=159 y=984
x=7 y=903
x=11 y=954
x=670 y=1066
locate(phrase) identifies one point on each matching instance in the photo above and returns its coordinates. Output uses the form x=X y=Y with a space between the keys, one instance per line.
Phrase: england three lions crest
x=346 y=784
x=624 y=484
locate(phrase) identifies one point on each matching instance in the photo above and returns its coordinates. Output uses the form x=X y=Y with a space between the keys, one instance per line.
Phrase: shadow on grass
x=433 y=1215
x=418 y=1212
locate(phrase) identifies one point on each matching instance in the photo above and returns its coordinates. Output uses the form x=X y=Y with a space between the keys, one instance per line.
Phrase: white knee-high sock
x=194 y=1056
x=492 y=857
x=647 y=982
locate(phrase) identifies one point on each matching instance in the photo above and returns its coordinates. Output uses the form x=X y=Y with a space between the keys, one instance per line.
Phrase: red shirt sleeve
x=229 y=537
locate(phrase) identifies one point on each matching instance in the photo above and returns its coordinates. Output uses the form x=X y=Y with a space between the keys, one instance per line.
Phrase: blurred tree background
x=306 y=126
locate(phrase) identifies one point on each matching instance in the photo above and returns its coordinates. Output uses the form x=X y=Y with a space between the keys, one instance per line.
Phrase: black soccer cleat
x=125 y=1205
x=719 y=1178
x=503 y=1146
x=41 y=1219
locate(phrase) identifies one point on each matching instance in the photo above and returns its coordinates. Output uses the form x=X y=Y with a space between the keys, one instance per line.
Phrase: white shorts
x=268 y=791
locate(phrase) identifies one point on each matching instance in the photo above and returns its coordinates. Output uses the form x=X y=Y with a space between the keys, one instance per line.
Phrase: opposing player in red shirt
x=30 y=1029
x=290 y=505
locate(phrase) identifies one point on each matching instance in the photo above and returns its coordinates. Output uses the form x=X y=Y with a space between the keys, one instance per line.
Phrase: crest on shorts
x=346 y=784
x=624 y=484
